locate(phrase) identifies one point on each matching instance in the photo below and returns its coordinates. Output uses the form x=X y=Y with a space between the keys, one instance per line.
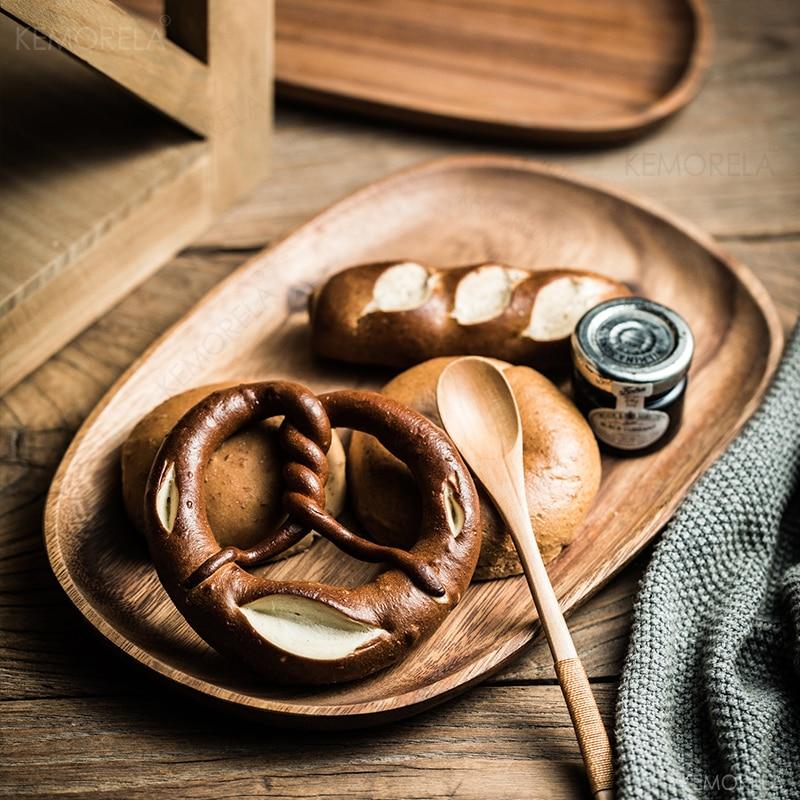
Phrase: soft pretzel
x=244 y=483
x=401 y=313
x=298 y=631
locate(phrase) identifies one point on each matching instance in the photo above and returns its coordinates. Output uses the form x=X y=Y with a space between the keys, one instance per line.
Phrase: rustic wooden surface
x=102 y=186
x=78 y=720
x=491 y=207
x=121 y=184
x=125 y=48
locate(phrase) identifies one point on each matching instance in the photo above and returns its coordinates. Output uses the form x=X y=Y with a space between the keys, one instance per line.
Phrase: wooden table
x=79 y=720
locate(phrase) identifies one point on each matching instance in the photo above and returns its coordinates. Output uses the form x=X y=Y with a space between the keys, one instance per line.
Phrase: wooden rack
x=98 y=188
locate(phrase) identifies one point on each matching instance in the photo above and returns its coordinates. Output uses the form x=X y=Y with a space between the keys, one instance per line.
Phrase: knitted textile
x=709 y=703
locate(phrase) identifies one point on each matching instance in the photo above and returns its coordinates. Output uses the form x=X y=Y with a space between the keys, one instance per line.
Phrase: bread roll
x=401 y=313
x=562 y=470
x=244 y=480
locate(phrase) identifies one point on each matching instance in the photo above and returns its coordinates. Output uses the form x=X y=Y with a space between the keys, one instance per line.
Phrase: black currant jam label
x=628 y=430
x=629 y=426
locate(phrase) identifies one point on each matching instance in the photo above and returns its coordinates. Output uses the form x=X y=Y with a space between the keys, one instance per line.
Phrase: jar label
x=628 y=428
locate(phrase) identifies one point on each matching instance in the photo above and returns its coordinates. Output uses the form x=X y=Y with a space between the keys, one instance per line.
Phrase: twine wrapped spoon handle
x=480 y=414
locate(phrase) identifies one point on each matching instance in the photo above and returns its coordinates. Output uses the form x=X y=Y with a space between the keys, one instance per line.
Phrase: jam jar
x=630 y=359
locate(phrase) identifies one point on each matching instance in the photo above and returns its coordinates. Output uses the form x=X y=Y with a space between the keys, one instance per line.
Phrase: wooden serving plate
x=577 y=70
x=452 y=211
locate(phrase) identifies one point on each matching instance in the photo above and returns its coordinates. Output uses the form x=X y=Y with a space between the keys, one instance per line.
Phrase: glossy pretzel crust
x=209 y=585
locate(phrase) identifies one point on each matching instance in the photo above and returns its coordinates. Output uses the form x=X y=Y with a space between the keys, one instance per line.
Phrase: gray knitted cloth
x=709 y=703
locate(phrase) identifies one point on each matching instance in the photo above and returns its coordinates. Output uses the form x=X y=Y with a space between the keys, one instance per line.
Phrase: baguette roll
x=402 y=313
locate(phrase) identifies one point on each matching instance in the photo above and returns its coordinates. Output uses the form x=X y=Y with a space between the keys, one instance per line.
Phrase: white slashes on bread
x=404 y=312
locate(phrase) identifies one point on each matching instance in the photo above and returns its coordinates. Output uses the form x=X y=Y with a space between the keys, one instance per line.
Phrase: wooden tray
x=452 y=211
x=577 y=70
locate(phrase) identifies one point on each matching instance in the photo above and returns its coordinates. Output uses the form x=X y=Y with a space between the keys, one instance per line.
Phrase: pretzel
x=300 y=631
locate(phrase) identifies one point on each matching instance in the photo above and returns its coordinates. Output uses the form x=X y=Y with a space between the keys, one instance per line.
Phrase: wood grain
x=111 y=155
x=133 y=54
x=255 y=325
x=476 y=751
x=729 y=162
x=240 y=47
x=88 y=213
x=149 y=234
x=52 y=665
x=55 y=669
x=580 y=70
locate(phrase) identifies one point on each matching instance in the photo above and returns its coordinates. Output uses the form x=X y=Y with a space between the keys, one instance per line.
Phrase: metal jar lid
x=633 y=341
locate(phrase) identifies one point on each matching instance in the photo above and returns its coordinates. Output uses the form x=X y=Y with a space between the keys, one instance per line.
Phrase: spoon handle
x=589 y=728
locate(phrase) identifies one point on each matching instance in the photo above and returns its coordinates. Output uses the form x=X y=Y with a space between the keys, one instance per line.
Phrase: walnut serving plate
x=577 y=70
x=254 y=325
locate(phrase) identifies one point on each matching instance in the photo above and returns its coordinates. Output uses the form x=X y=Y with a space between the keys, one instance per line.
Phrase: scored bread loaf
x=244 y=483
x=561 y=458
x=401 y=313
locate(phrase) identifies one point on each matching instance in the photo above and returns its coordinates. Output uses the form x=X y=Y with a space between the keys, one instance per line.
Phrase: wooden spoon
x=481 y=416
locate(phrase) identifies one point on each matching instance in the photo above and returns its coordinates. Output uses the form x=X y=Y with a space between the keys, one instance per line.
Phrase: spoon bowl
x=475 y=396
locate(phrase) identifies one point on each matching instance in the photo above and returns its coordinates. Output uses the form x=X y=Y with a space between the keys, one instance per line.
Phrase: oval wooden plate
x=452 y=211
x=577 y=70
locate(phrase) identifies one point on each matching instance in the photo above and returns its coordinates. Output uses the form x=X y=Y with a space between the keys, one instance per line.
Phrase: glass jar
x=630 y=359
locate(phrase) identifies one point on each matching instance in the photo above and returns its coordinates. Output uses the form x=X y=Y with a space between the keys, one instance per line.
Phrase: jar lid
x=634 y=341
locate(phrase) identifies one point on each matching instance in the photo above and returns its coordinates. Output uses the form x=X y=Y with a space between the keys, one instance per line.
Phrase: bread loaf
x=401 y=313
x=562 y=470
